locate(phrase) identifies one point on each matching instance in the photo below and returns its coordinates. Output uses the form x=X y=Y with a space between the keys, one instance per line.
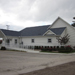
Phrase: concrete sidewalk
x=21 y=49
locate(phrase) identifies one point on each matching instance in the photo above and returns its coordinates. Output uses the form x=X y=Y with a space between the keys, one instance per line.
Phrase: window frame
x=49 y=40
x=15 y=41
x=8 y=41
x=32 y=40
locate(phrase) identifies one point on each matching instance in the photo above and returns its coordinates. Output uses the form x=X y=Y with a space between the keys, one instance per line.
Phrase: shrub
x=46 y=49
x=62 y=49
x=43 y=49
x=51 y=48
x=37 y=47
x=3 y=48
x=54 y=48
x=34 y=47
x=57 y=48
x=74 y=47
x=65 y=49
x=69 y=49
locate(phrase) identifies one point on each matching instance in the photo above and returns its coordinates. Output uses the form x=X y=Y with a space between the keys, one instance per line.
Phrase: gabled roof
x=34 y=31
x=56 y=21
x=58 y=31
x=10 y=32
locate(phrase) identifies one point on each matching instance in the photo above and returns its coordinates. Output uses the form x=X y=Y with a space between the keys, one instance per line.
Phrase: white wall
x=43 y=40
x=70 y=30
x=49 y=32
x=12 y=42
x=39 y=41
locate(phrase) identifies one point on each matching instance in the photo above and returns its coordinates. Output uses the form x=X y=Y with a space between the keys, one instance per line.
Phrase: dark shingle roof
x=10 y=32
x=34 y=31
x=58 y=31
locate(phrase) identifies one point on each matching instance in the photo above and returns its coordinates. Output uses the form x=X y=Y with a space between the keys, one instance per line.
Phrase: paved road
x=14 y=63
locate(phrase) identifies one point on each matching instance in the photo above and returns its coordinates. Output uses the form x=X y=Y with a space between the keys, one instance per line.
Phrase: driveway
x=15 y=63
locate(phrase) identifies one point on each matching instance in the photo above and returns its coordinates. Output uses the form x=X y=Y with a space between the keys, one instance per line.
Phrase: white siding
x=12 y=42
x=1 y=34
x=70 y=30
x=39 y=41
x=49 y=32
x=64 y=33
x=43 y=40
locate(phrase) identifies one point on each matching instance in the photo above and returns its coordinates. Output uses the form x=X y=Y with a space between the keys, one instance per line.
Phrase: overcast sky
x=27 y=13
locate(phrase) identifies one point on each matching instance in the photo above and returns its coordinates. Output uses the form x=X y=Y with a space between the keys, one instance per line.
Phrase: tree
x=63 y=40
x=73 y=24
x=73 y=17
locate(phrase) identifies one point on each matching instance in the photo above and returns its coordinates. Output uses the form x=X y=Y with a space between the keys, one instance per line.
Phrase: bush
x=65 y=49
x=62 y=49
x=57 y=48
x=46 y=49
x=3 y=48
x=74 y=47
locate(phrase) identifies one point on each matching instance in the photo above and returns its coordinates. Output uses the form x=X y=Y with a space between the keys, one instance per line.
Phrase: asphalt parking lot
x=15 y=63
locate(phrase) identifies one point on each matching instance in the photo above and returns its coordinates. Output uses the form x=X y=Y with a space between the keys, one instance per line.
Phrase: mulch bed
x=64 y=69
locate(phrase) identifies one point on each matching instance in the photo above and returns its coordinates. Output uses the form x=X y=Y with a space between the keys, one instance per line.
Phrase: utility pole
x=7 y=27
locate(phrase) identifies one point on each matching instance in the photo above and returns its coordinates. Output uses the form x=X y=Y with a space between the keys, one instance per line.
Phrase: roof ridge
x=38 y=26
x=58 y=27
x=9 y=30
x=35 y=27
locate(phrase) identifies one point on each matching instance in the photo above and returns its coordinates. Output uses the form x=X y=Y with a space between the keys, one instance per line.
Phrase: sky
x=19 y=14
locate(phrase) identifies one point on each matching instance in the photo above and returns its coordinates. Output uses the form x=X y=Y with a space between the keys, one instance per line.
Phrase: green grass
x=57 y=52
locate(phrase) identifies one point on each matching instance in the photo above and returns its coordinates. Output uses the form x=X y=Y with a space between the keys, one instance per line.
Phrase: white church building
x=45 y=35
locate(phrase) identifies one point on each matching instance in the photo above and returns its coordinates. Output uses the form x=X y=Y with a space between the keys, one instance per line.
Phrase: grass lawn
x=56 y=51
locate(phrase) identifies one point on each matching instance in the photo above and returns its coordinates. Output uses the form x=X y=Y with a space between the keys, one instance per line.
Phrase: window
x=49 y=40
x=22 y=42
x=7 y=41
x=32 y=40
x=15 y=41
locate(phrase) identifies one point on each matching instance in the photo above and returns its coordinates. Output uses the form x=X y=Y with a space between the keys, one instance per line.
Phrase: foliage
x=65 y=49
x=73 y=17
x=3 y=48
x=63 y=40
x=62 y=49
x=73 y=24
x=49 y=48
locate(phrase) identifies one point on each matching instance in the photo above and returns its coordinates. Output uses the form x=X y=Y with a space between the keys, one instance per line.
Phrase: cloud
x=48 y=10
x=27 y=13
x=9 y=5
